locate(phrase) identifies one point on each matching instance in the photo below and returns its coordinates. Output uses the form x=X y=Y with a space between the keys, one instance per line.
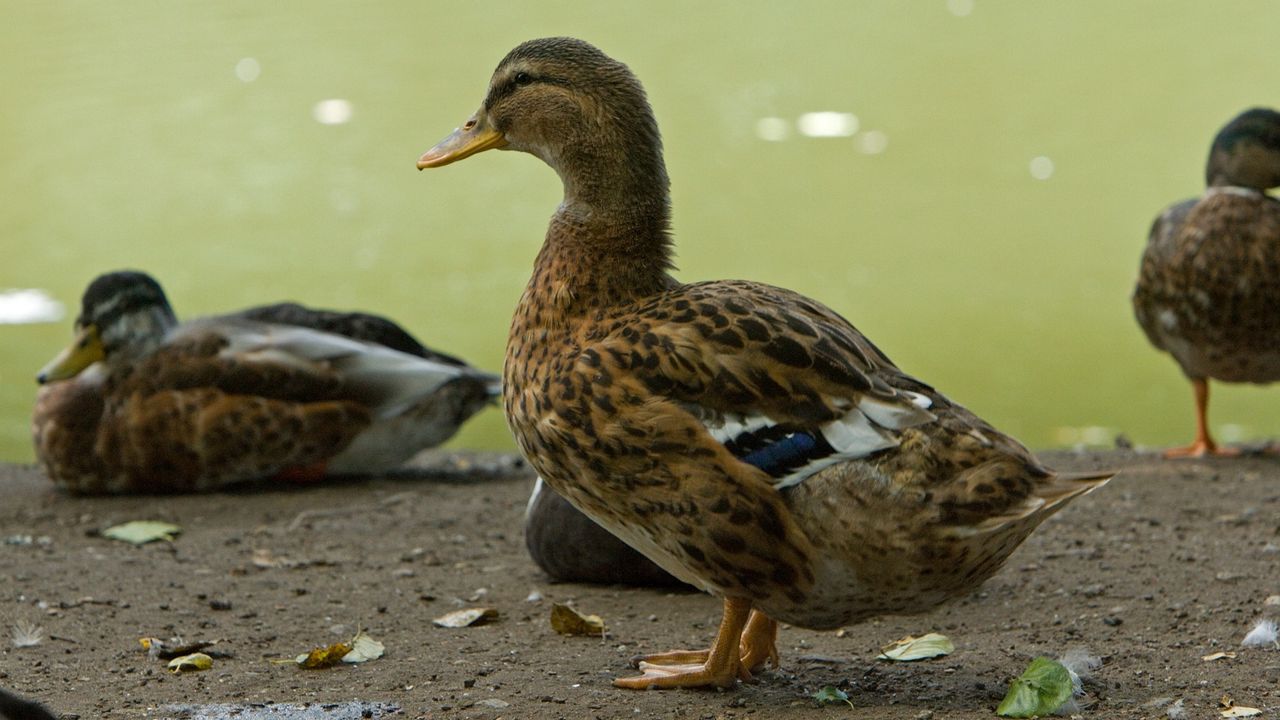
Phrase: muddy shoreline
x=1169 y=563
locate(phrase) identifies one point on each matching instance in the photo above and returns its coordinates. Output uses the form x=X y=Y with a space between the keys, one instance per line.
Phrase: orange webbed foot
x=659 y=675
x=720 y=666
x=1202 y=448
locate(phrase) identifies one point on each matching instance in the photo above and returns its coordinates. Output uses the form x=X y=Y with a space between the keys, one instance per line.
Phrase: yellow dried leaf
x=463 y=618
x=1230 y=709
x=363 y=649
x=567 y=621
x=917 y=648
x=1218 y=656
x=158 y=649
x=190 y=663
x=323 y=657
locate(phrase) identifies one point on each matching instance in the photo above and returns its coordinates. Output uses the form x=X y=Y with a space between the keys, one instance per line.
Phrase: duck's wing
x=783 y=382
x=354 y=325
x=382 y=379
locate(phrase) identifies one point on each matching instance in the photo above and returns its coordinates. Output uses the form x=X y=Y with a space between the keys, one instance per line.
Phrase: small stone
x=1092 y=590
x=494 y=703
x=220 y=604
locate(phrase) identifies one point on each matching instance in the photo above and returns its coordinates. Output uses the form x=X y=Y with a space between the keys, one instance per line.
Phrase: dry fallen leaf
x=1230 y=709
x=190 y=663
x=363 y=649
x=917 y=648
x=463 y=618
x=323 y=657
x=358 y=649
x=140 y=532
x=158 y=649
x=1218 y=656
x=567 y=621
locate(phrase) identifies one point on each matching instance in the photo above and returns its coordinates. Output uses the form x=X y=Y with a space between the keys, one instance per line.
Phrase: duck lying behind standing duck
x=746 y=438
x=141 y=403
x=1208 y=291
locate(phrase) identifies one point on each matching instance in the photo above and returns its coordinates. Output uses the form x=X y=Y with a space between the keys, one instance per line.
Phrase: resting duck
x=1208 y=292
x=140 y=403
x=571 y=547
x=555 y=532
x=746 y=438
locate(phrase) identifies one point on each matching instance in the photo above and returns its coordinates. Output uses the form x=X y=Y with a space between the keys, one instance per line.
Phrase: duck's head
x=1246 y=151
x=122 y=315
x=580 y=111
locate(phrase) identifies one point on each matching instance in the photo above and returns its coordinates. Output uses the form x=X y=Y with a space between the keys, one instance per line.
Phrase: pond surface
x=969 y=182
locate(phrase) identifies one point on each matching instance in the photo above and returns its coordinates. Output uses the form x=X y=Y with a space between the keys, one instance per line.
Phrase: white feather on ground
x=1264 y=634
x=1080 y=664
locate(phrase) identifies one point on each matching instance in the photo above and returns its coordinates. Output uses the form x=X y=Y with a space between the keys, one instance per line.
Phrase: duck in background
x=141 y=403
x=747 y=439
x=1208 y=291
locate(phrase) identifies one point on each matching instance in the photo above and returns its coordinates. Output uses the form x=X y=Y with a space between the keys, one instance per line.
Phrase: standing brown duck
x=1208 y=291
x=746 y=438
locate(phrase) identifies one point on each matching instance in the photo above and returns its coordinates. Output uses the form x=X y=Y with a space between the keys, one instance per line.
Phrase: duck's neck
x=609 y=241
x=136 y=334
x=1250 y=162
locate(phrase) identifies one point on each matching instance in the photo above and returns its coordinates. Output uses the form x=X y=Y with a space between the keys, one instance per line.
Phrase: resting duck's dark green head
x=122 y=315
x=580 y=111
x=1246 y=152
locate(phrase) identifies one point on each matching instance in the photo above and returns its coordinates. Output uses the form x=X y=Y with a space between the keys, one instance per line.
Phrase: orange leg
x=759 y=642
x=719 y=667
x=303 y=474
x=1203 y=444
x=757 y=646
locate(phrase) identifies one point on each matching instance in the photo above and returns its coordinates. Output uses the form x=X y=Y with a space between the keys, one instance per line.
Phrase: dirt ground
x=1170 y=562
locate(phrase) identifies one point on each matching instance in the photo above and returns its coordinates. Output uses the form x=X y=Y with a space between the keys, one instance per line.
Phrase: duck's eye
x=523 y=78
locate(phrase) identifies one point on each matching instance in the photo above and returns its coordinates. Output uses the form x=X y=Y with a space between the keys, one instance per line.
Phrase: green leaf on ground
x=830 y=695
x=1041 y=690
x=141 y=532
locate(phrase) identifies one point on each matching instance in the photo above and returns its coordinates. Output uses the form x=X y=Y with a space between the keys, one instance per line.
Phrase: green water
x=128 y=139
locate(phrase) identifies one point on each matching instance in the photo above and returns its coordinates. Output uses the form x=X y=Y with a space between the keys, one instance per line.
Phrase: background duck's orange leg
x=719 y=666
x=303 y=474
x=759 y=642
x=1203 y=444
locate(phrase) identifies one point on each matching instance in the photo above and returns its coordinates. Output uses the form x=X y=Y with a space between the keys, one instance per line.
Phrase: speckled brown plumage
x=746 y=438
x=1209 y=284
x=215 y=401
